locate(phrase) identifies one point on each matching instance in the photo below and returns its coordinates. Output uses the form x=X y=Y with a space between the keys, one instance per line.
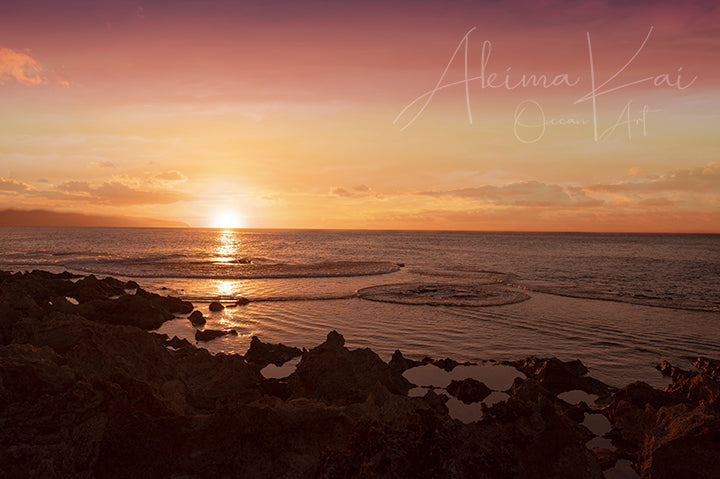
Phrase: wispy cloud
x=103 y=164
x=522 y=193
x=21 y=67
x=113 y=193
x=170 y=176
x=359 y=191
x=7 y=184
x=704 y=179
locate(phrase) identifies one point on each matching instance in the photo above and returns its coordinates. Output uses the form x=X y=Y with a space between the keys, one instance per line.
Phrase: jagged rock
x=89 y=398
x=130 y=310
x=709 y=366
x=332 y=373
x=168 y=303
x=697 y=389
x=210 y=334
x=683 y=442
x=558 y=376
x=178 y=343
x=530 y=390
x=216 y=306
x=671 y=371
x=400 y=364
x=265 y=353
x=197 y=318
x=468 y=390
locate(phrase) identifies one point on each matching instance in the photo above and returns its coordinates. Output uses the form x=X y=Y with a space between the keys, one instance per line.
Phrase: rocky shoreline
x=87 y=391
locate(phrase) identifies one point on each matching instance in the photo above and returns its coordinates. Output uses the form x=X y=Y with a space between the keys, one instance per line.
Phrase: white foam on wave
x=443 y=294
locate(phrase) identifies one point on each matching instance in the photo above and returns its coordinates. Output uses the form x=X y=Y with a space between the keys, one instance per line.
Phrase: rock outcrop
x=87 y=391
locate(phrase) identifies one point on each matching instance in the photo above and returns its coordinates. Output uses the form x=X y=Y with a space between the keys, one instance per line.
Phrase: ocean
x=621 y=303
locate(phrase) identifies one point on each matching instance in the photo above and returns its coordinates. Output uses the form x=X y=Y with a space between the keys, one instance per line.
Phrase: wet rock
x=400 y=364
x=265 y=353
x=167 y=303
x=210 y=334
x=178 y=343
x=216 y=306
x=558 y=376
x=97 y=398
x=90 y=288
x=132 y=310
x=671 y=371
x=446 y=364
x=242 y=301
x=468 y=390
x=197 y=318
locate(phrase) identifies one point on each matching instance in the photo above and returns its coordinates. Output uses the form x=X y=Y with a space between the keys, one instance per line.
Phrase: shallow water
x=620 y=303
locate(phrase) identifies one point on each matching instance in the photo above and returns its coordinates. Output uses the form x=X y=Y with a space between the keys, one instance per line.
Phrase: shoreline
x=86 y=390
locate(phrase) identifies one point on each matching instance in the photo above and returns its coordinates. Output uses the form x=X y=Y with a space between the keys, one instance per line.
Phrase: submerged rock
x=210 y=334
x=197 y=318
x=216 y=306
x=468 y=390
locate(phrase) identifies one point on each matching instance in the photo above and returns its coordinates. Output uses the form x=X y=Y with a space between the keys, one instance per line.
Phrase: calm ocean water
x=619 y=302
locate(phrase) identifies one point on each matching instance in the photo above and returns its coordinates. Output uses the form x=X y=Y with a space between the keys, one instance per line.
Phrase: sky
x=552 y=115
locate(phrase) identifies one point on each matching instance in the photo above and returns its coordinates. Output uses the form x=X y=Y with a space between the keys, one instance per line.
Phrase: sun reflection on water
x=228 y=246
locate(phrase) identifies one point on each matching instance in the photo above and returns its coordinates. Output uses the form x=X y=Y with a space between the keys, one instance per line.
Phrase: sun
x=227 y=219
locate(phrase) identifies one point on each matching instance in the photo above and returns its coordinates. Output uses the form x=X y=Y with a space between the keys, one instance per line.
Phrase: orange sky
x=283 y=115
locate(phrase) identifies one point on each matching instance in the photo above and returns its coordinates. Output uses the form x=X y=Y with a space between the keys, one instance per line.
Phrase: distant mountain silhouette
x=11 y=217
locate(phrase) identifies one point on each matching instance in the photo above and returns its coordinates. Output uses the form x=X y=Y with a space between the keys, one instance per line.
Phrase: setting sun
x=227 y=219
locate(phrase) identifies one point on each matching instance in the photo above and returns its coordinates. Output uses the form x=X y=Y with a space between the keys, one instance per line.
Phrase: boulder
x=197 y=318
x=216 y=306
x=210 y=334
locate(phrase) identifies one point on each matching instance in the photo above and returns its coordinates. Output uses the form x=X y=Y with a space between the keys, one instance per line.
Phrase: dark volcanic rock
x=127 y=309
x=216 y=306
x=98 y=398
x=210 y=334
x=558 y=376
x=670 y=433
x=710 y=366
x=400 y=363
x=265 y=353
x=196 y=318
x=683 y=442
x=676 y=374
x=334 y=374
x=468 y=390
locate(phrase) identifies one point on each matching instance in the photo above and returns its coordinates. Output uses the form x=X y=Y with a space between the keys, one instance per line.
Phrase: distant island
x=11 y=217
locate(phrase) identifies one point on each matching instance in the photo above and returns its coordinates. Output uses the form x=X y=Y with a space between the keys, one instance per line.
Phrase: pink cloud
x=21 y=67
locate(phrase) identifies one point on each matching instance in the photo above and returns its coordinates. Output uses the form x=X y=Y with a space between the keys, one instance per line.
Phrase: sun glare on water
x=227 y=219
